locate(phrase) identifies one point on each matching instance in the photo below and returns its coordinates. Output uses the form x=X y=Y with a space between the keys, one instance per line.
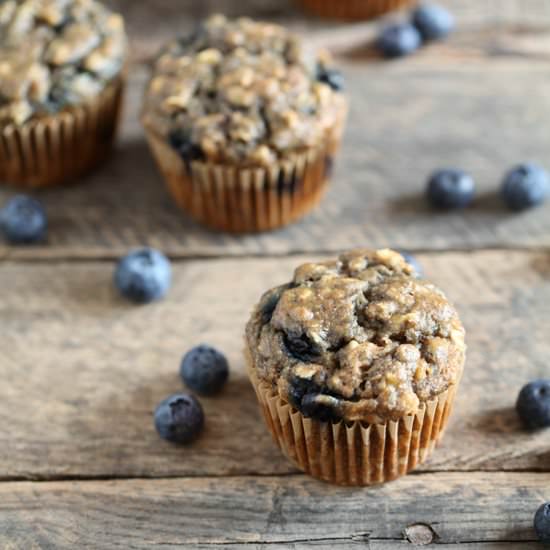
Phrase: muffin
x=355 y=364
x=353 y=9
x=61 y=80
x=244 y=123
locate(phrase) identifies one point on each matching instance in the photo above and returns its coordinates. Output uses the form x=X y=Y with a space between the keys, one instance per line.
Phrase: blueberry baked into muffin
x=61 y=78
x=355 y=363
x=244 y=122
x=353 y=9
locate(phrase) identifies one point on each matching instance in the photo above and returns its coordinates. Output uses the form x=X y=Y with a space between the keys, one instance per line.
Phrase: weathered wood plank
x=481 y=25
x=459 y=103
x=148 y=24
x=407 y=119
x=82 y=371
x=480 y=507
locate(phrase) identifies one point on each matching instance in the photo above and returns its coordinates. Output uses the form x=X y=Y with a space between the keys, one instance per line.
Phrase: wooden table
x=81 y=371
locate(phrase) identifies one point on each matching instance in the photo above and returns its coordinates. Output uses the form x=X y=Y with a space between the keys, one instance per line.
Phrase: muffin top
x=243 y=91
x=55 y=54
x=359 y=338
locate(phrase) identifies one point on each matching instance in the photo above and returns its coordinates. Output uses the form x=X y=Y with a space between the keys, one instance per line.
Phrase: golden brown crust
x=361 y=338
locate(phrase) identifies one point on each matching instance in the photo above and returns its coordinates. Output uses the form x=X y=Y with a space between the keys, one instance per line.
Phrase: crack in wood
x=13 y=256
x=487 y=508
x=341 y=539
x=44 y=479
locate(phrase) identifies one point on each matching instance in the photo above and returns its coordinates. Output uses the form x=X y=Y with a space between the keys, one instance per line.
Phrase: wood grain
x=149 y=26
x=202 y=513
x=461 y=103
x=82 y=371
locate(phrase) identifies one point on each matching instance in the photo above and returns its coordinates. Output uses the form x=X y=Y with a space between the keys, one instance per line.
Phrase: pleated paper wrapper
x=62 y=147
x=238 y=199
x=353 y=9
x=353 y=453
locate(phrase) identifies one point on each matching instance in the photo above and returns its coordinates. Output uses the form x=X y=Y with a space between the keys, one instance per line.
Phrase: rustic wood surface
x=63 y=322
x=80 y=463
x=272 y=510
x=480 y=101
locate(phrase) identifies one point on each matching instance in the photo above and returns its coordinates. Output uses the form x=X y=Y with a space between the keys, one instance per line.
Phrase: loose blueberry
x=525 y=186
x=411 y=260
x=204 y=370
x=433 y=22
x=143 y=275
x=181 y=141
x=179 y=418
x=542 y=523
x=533 y=404
x=450 y=188
x=332 y=77
x=23 y=220
x=398 y=39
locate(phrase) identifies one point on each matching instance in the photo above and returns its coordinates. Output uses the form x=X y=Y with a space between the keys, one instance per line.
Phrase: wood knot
x=420 y=534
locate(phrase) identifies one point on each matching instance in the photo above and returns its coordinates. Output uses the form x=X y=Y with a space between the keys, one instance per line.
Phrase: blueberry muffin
x=353 y=9
x=355 y=363
x=244 y=122
x=61 y=78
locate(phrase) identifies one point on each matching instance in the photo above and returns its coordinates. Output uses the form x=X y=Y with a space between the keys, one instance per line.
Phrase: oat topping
x=54 y=54
x=359 y=338
x=243 y=91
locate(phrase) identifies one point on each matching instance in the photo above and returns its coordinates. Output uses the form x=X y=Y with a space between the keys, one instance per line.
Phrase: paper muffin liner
x=353 y=453
x=59 y=148
x=353 y=9
x=237 y=199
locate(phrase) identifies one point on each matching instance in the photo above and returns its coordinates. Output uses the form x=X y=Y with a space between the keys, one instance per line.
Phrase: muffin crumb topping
x=55 y=54
x=359 y=338
x=243 y=91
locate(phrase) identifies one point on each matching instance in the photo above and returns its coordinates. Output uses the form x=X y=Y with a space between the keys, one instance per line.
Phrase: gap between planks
x=60 y=478
x=23 y=255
